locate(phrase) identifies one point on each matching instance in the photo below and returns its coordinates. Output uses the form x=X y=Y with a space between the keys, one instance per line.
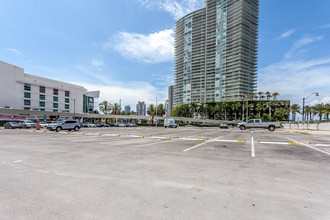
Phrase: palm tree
x=262 y=97
x=268 y=95
x=201 y=110
x=319 y=108
x=151 y=112
x=193 y=108
x=308 y=112
x=327 y=110
x=275 y=94
x=225 y=105
x=260 y=94
x=249 y=96
x=294 y=109
x=259 y=108
x=105 y=107
x=235 y=107
x=115 y=109
x=160 y=110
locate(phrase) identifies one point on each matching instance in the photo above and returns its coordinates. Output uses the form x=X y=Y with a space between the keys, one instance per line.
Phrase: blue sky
x=125 y=48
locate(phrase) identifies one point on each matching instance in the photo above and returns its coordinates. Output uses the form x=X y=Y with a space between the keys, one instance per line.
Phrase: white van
x=170 y=123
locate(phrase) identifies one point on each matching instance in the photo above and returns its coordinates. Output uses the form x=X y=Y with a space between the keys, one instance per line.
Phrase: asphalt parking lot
x=157 y=173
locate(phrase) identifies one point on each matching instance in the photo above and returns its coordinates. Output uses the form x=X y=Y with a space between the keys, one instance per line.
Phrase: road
x=157 y=173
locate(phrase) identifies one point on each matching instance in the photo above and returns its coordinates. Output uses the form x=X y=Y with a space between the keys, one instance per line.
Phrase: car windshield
x=29 y=122
x=14 y=123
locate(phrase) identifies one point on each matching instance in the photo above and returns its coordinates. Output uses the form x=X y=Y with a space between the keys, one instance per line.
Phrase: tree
x=294 y=109
x=225 y=105
x=201 y=110
x=116 y=109
x=327 y=110
x=275 y=94
x=260 y=94
x=319 y=108
x=268 y=95
x=308 y=112
x=105 y=107
x=235 y=107
x=193 y=108
x=151 y=112
x=160 y=110
x=259 y=108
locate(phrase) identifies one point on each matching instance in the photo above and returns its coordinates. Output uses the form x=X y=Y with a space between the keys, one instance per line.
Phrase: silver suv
x=64 y=125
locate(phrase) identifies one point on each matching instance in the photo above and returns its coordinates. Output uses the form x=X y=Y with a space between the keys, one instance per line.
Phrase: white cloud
x=323 y=26
x=286 y=34
x=300 y=43
x=296 y=79
x=153 y=48
x=13 y=50
x=177 y=8
x=97 y=62
x=325 y=100
x=129 y=92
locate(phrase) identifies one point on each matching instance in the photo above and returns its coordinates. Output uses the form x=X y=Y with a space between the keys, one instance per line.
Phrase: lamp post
x=303 y=112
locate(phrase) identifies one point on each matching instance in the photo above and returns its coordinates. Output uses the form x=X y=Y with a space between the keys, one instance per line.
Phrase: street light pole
x=303 y=112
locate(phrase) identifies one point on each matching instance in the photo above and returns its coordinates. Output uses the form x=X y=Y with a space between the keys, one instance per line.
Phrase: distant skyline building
x=127 y=109
x=166 y=105
x=141 y=109
x=216 y=52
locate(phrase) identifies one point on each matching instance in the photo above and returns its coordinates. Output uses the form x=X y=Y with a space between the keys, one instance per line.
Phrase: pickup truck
x=257 y=123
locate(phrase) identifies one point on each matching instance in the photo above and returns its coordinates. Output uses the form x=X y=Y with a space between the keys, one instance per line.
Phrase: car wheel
x=271 y=128
x=242 y=127
x=76 y=128
x=58 y=129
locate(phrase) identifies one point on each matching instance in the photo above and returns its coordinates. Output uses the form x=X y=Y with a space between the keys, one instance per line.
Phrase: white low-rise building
x=19 y=90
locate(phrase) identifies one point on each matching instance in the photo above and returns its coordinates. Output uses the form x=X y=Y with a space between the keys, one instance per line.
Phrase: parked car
x=224 y=125
x=28 y=124
x=43 y=124
x=105 y=125
x=257 y=123
x=170 y=123
x=131 y=125
x=64 y=125
x=121 y=125
x=91 y=125
x=12 y=125
x=85 y=125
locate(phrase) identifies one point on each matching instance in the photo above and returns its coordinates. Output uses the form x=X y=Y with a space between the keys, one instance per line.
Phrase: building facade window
x=55 y=91
x=42 y=104
x=27 y=108
x=27 y=95
x=42 y=89
x=55 y=110
x=42 y=97
x=67 y=106
x=27 y=86
x=42 y=109
x=55 y=105
x=27 y=102
x=55 y=99
x=67 y=100
x=67 y=93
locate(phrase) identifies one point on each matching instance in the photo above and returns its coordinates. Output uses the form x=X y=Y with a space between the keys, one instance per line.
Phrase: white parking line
x=309 y=146
x=253 y=154
x=143 y=145
x=200 y=144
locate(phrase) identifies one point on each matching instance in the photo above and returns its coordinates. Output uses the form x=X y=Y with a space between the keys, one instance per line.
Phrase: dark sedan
x=12 y=125
x=224 y=125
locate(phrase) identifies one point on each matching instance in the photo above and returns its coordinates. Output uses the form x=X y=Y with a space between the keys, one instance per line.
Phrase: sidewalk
x=309 y=131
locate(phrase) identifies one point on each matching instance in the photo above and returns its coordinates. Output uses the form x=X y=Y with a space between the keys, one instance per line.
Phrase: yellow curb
x=117 y=135
x=293 y=143
x=199 y=139
x=140 y=137
x=239 y=141
x=82 y=133
x=98 y=134
x=167 y=138
x=67 y=132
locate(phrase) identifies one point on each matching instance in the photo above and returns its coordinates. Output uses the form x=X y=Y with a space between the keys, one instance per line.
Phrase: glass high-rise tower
x=216 y=52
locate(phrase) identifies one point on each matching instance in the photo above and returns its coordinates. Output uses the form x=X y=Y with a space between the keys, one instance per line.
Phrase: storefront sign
x=12 y=117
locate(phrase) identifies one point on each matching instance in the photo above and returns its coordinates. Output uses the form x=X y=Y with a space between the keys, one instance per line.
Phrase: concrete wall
x=305 y=126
